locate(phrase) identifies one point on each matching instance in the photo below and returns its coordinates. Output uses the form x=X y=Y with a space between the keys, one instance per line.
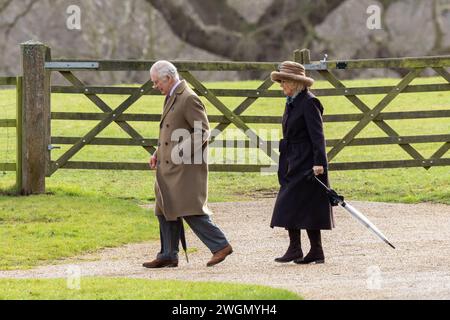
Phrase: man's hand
x=152 y=162
x=318 y=170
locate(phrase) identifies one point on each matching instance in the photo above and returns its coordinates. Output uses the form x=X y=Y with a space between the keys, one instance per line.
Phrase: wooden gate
x=109 y=115
x=415 y=67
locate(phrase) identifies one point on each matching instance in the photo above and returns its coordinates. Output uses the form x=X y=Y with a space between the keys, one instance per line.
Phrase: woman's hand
x=318 y=170
x=153 y=161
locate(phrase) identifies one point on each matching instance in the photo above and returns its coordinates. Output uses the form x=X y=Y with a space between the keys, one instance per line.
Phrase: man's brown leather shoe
x=157 y=263
x=219 y=256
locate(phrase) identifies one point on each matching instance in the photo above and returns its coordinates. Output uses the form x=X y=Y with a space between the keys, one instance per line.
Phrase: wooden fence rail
x=127 y=65
x=8 y=81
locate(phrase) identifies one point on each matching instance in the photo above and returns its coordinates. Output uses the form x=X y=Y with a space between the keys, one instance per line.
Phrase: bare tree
x=257 y=30
x=217 y=27
x=110 y=29
x=8 y=26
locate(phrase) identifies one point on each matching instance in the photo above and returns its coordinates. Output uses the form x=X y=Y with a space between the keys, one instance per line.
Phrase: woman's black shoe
x=311 y=258
x=290 y=256
x=315 y=254
x=294 y=250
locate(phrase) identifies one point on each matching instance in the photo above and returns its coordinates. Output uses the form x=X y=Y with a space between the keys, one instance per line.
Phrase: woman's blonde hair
x=297 y=85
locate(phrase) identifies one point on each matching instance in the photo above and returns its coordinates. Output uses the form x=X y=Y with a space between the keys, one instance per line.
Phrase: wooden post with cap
x=302 y=56
x=35 y=120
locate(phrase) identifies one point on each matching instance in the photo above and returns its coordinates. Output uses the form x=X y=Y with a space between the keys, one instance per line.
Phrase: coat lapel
x=172 y=99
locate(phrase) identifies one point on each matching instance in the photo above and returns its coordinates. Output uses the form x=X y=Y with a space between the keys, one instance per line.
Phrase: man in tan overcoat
x=181 y=186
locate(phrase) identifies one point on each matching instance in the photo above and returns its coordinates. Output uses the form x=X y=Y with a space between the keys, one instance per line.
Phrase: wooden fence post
x=297 y=55
x=302 y=56
x=35 y=118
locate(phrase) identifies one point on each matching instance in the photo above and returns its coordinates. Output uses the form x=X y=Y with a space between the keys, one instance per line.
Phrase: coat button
x=167 y=125
x=167 y=143
x=167 y=162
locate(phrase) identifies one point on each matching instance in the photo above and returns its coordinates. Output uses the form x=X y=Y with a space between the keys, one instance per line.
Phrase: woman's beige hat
x=291 y=71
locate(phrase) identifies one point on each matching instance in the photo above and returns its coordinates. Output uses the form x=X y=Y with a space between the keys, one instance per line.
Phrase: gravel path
x=358 y=265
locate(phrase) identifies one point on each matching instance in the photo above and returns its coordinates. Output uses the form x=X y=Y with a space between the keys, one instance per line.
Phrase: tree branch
x=9 y=26
x=4 y=5
x=273 y=11
x=219 y=13
x=187 y=25
x=216 y=27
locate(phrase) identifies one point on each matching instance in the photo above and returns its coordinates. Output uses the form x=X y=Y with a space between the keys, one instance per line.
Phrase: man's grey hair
x=164 y=68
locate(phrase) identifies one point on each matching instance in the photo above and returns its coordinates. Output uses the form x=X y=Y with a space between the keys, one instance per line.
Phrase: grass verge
x=136 y=289
x=42 y=229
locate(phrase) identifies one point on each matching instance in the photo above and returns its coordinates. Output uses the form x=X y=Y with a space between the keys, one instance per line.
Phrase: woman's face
x=289 y=87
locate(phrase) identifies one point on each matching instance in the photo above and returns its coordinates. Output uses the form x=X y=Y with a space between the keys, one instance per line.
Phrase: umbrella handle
x=323 y=184
x=335 y=199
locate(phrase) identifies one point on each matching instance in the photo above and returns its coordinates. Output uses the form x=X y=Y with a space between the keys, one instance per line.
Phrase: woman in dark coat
x=301 y=202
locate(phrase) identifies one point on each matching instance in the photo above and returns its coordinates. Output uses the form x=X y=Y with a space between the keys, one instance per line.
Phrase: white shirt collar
x=174 y=87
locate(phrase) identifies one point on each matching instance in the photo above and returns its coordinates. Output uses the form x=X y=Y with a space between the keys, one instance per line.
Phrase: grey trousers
x=202 y=226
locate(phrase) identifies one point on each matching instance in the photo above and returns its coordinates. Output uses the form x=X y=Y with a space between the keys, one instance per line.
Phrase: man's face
x=163 y=84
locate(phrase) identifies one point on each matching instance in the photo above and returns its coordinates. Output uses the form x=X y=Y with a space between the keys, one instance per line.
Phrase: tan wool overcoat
x=181 y=186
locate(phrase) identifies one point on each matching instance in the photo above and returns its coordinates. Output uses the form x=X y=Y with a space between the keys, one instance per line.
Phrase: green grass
x=86 y=210
x=42 y=229
x=136 y=289
x=398 y=185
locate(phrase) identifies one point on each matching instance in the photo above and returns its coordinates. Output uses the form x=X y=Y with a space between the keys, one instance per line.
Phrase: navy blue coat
x=302 y=202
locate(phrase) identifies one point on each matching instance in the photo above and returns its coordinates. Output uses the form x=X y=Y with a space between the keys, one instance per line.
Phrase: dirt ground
x=358 y=265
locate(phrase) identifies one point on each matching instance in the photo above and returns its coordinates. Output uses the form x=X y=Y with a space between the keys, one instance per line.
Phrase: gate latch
x=51 y=147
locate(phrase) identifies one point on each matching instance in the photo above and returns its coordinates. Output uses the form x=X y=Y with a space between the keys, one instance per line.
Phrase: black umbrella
x=336 y=199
